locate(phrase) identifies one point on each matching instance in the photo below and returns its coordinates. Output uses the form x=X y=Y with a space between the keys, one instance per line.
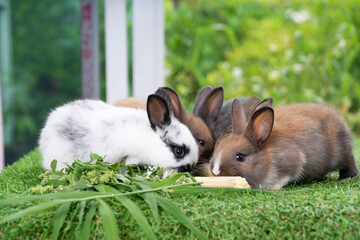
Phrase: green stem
x=131 y=193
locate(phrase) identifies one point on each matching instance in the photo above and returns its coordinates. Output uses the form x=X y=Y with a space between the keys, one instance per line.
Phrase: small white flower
x=300 y=16
x=167 y=71
x=166 y=174
x=274 y=74
x=256 y=88
x=287 y=40
x=310 y=58
x=289 y=53
x=298 y=34
x=297 y=67
x=225 y=65
x=273 y=47
x=342 y=43
x=237 y=72
x=303 y=58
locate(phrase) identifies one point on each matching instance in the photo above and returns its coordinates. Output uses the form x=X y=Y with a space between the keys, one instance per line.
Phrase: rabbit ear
x=238 y=117
x=260 y=125
x=268 y=102
x=200 y=98
x=250 y=104
x=177 y=106
x=158 y=111
x=208 y=106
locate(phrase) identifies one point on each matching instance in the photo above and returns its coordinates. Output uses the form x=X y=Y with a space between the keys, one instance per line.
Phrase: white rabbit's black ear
x=158 y=111
x=260 y=125
x=208 y=103
x=178 y=108
x=238 y=117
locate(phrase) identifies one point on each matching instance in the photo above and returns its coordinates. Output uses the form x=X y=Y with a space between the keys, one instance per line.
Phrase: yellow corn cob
x=223 y=182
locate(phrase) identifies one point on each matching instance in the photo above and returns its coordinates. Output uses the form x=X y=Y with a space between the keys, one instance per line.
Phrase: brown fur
x=307 y=141
x=131 y=102
x=197 y=126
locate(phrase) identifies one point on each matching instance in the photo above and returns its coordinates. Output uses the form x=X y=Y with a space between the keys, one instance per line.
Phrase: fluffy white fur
x=114 y=132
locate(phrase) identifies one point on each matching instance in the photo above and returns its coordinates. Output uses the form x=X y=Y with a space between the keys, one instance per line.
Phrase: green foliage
x=292 y=51
x=79 y=184
x=318 y=210
x=46 y=58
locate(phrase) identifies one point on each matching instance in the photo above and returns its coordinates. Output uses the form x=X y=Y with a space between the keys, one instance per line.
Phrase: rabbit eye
x=179 y=152
x=240 y=157
x=201 y=142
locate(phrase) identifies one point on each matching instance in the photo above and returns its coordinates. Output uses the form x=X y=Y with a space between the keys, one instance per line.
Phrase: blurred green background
x=293 y=51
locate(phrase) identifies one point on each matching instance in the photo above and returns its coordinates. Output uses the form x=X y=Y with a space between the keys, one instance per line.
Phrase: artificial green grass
x=319 y=210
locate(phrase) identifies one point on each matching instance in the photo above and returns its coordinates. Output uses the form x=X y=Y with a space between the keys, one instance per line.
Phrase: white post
x=116 y=50
x=5 y=68
x=2 y=157
x=148 y=46
x=89 y=49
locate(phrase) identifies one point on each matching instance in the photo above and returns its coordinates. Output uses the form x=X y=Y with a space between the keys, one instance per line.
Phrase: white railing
x=116 y=48
x=147 y=43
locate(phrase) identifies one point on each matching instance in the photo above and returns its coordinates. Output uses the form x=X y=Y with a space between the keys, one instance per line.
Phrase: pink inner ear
x=213 y=104
x=210 y=110
x=263 y=126
x=175 y=108
x=259 y=132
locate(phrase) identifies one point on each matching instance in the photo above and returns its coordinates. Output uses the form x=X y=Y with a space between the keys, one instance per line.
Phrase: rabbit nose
x=184 y=168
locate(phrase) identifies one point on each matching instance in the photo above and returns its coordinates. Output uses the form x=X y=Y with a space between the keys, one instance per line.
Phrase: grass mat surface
x=319 y=210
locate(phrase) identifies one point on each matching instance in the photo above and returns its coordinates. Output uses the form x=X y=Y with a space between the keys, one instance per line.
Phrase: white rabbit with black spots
x=152 y=137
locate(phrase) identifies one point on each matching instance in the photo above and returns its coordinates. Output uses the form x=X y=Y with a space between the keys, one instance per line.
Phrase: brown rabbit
x=210 y=107
x=131 y=102
x=294 y=143
x=207 y=106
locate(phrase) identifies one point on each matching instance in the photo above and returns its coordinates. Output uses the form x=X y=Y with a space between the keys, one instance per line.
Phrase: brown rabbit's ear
x=158 y=111
x=250 y=105
x=268 y=102
x=200 y=98
x=260 y=125
x=238 y=117
x=177 y=106
x=208 y=103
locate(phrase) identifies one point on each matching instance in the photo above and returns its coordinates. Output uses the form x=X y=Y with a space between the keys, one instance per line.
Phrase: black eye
x=179 y=152
x=201 y=142
x=240 y=157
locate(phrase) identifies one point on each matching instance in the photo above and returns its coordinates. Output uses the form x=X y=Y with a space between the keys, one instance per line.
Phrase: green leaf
x=96 y=157
x=30 y=210
x=76 y=195
x=176 y=212
x=83 y=184
x=168 y=181
x=57 y=183
x=60 y=217
x=151 y=201
x=115 y=166
x=111 y=230
x=71 y=179
x=86 y=227
x=53 y=165
x=81 y=212
x=77 y=172
x=135 y=212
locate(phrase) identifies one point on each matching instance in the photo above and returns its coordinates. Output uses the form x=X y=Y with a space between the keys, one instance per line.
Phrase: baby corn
x=223 y=182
